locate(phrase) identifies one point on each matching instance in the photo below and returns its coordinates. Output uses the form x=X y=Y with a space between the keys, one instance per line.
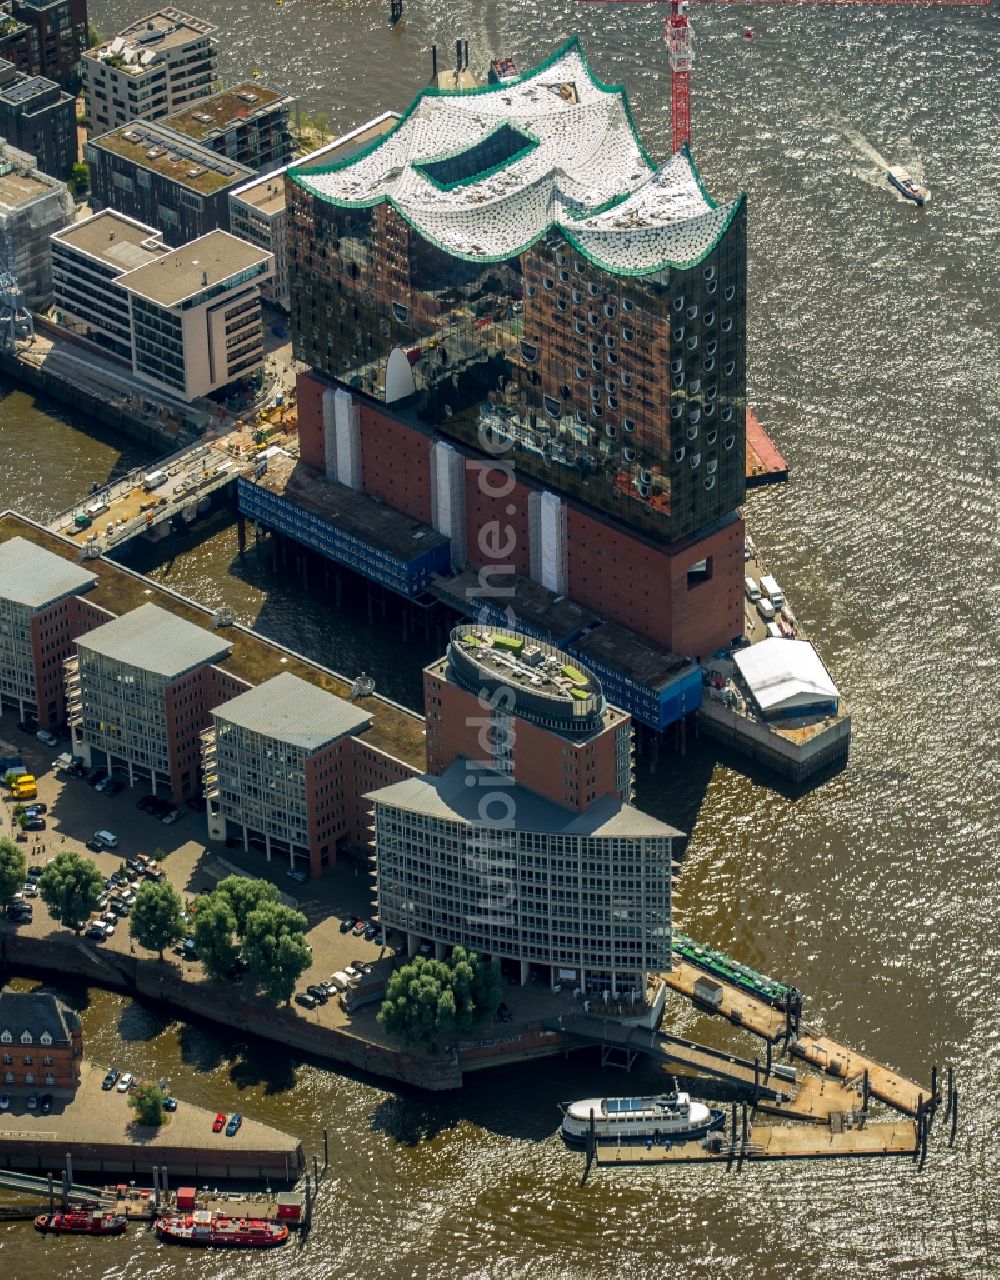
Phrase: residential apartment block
x=41 y=1044
x=152 y=67
x=38 y=117
x=248 y=123
x=41 y=614
x=151 y=174
x=44 y=37
x=90 y=258
x=140 y=690
x=277 y=764
x=520 y=841
x=258 y=211
x=33 y=206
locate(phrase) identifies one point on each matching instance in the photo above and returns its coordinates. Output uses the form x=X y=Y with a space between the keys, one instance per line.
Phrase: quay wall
x=153 y=980
x=123 y=1159
x=795 y=761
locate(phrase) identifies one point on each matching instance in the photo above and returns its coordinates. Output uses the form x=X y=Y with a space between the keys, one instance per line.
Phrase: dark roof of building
x=36 y=1012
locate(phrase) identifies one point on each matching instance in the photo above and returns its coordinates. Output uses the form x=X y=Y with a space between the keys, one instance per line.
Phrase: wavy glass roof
x=484 y=173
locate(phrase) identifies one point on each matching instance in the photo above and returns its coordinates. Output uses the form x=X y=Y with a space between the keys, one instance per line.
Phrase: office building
x=44 y=37
x=33 y=206
x=89 y=260
x=140 y=690
x=41 y=1044
x=277 y=765
x=41 y=614
x=258 y=211
x=507 y=275
x=248 y=123
x=38 y=117
x=150 y=174
x=520 y=841
x=195 y=315
x=154 y=66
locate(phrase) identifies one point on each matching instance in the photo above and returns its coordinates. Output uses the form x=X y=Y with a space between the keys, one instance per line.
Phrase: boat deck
x=778 y=1142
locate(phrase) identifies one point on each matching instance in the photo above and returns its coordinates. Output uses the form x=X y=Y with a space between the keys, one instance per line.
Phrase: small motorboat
x=907 y=187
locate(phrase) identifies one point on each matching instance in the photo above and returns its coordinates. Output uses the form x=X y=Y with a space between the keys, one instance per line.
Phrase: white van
x=107 y=838
x=774 y=631
x=753 y=591
x=771 y=589
x=97 y=509
x=766 y=610
x=153 y=480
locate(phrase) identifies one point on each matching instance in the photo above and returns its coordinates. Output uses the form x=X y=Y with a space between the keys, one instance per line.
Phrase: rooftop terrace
x=495 y=656
x=252 y=658
x=148 y=39
x=151 y=147
x=18 y=188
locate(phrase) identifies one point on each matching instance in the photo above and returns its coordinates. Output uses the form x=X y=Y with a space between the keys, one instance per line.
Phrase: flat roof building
x=44 y=37
x=41 y=614
x=33 y=206
x=156 y=176
x=38 y=117
x=89 y=260
x=277 y=763
x=248 y=123
x=258 y=211
x=140 y=690
x=196 y=315
x=151 y=67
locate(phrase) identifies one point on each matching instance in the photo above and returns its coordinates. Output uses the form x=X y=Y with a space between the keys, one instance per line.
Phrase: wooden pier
x=740 y=1007
x=778 y=1142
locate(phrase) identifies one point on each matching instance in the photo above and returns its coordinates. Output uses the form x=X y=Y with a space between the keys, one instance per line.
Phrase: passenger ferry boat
x=83 y=1222
x=906 y=186
x=204 y=1228
x=670 y=1115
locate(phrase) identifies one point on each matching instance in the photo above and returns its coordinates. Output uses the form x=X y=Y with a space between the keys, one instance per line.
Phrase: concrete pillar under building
x=267 y=845
x=131 y=774
x=525 y=972
x=412 y=943
x=439 y=950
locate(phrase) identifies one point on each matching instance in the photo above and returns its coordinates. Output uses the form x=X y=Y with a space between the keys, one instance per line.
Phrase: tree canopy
x=146 y=1100
x=70 y=887
x=275 y=948
x=12 y=870
x=155 y=922
x=427 y=1000
x=215 y=934
x=244 y=896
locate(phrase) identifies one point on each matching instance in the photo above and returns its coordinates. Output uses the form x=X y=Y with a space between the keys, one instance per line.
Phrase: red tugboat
x=202 y=1228
x=83 y=1222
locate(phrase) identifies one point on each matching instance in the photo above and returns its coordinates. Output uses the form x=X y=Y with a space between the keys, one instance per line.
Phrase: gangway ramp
x=672 y=1051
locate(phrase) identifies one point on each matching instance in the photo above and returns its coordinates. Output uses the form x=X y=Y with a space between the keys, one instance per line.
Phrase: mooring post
x=923 y=1139
x=951 y=1086
x=866 y=1090
x=919 y=1116
x=954 y=1117
x=64 y=1191
x=768 y=1042
x=326 y=1149
x=591 y=1146
x=155 y=1197
x=756 y=1079
x=934 y=1088
x=316 y=1170
x=308 y=1201
x=52 y=1195
x=166 y=1189
x=69 y=1169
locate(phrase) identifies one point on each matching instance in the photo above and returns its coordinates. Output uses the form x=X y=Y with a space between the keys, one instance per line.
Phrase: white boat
x=907 y=187
x=668 y=1115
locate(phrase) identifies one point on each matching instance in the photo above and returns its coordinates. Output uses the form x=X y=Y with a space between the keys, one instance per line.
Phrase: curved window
x=694 y=386
x=561 y=259
x=709 y=408
x=730 y=368
x=626 y=379
x=710 y=482
x=577 y=295
x=581 y=417
x=678 y=334
x=611 y=357
x=676 y=366
x=612 y=430
x=401 y=313
x=561 y=304
x=643 y=489
x=711 y=466
x=595 y=393
x=679 y=454
x=709 y=273
x=711 y=392
x=711 y=436
x=727 y=324
x=610 y=341
x=730 y=293
x=612 y=402
x=692 y=343
x=711 y=287
x=610 y=311
x=580 y=372
x=695 y=461
x=727 y=414
x=529 y=351
x=531 y=290
x=610 y=385
x=729 y=441
x=594 y=317
x=579 y=326
x=627 y=334
x=628 y=454
x=695 y=414
x=692 y=432
x=678 y=380
x=597 y=411
x=594 y=348
x=628 y=304
x=628 y=426
x=677 y=411
x=708 y=365
x=597 y=366
x=564 y=275
x=679 y=302
x=581 y=267
x=692 y=312
x=553 y=407
x=548 y=282
x=711 y=347
x=593 y=288
x=645 y=475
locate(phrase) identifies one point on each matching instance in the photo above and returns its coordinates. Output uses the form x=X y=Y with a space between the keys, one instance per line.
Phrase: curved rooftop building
x=509 y=265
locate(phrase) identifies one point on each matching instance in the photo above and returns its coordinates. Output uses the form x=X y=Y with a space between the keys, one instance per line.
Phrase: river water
x=872 y=361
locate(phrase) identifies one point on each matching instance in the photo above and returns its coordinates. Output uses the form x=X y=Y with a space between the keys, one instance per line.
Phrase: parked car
x=47 y=739
x=28 y=726
x=32 y=1103
x=306 y=1000
x=34 y=872
x=299 y=876
x=33 y=824
x=45 y=1104
x=169 y=1104
x=111 y=1079
x=125 y=1082
x=114 y=786
x=95 y=845
x=232 y=1128
x=102 y=784
x=4 y=1101
x=35 y=808
x=317 y=992
x=172 y=817
x=121 y=909
x=30 y=889
x=373 y=928
x=348 y=923
x=359 y=928
x=95 y=776
x=219 y=1123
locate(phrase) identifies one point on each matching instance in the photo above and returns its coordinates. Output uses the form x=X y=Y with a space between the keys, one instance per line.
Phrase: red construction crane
x=678 y=35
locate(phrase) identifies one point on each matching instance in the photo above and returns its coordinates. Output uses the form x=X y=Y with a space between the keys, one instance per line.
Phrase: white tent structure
x=786 y=677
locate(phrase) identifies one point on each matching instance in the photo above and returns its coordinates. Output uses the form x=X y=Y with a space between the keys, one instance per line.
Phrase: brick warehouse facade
x=602 y=355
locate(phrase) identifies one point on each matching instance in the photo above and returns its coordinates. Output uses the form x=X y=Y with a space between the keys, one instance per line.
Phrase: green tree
x=214 y=934
x=79 y=178
x=155 y=922
x=12 y=870
x=420 y=1005
x=146 y=1100
x=70 y=887
x=244 y=895
x=275 y=948
x=487 y=991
